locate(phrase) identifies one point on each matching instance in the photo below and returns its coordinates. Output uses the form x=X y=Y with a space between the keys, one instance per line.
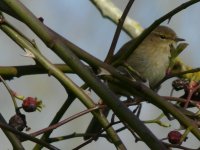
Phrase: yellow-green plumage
x=150 y=59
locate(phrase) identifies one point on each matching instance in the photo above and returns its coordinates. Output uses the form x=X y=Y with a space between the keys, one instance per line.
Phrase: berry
x=174 y=137
x=41 y=19
x=180 y=84
x=29 y=104
x=18 y=121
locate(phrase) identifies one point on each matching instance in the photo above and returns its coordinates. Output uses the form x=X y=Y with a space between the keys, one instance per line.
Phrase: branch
x=117 y=32
x=122 y=112
x=54 y=42
x=131 y=47
x=134 y=88
x=68 y=84
x=110 y=11
x=12 y=137
x=25 y=136
x=134 y=29
x=9 y=72
x=54 y=126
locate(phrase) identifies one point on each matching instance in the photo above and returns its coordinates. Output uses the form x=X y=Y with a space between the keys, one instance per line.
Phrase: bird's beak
x=177 y=39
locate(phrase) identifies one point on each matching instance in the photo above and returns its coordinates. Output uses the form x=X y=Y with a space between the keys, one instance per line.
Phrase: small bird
x=150 y=60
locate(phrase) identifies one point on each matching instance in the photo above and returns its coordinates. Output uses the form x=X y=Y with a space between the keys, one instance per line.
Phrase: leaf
x=176 y=51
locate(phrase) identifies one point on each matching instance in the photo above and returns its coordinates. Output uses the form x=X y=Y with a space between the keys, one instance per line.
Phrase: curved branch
x=110 y=11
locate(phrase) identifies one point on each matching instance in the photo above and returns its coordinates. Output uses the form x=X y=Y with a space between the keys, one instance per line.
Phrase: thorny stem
x=10 y=92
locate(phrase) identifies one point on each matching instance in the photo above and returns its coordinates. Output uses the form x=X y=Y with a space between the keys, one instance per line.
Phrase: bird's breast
x=150 y=63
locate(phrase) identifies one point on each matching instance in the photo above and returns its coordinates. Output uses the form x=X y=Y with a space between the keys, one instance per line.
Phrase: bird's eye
x=162 y=36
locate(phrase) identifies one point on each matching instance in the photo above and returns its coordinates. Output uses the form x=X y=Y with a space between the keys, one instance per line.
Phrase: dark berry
x=41 y=19
x=180 y=84
x=18 y=122
x=174 y=137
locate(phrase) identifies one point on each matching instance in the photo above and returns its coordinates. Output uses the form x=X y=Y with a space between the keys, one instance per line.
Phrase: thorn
x=28 y=53
x=103 y=72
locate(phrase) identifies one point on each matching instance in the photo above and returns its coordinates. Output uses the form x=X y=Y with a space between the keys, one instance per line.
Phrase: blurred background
x=81 y=23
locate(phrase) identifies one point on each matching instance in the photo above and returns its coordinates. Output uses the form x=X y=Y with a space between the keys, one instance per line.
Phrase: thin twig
x=179 y=146
x=177 y=99
x=156 y=23
x=52 y=127
x=26 y=136
x=71 y=97
x=109 y=10
x=10 y=92
x=72 y=135
x=118 y=31
x=190 y=94
x=178 y=74
x=183 y=73
x=96 y=136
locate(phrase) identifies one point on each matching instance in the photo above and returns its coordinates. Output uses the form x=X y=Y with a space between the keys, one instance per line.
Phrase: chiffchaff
x=150 y=60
